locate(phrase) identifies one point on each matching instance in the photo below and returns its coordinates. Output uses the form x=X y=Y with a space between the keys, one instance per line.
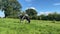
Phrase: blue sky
x=2 y=13
x=41 y=6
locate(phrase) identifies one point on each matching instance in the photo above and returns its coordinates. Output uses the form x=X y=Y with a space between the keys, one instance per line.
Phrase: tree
x=50 y=16
x=54 y=16
x=11 y=7
x=43 y=17
x=31 y=12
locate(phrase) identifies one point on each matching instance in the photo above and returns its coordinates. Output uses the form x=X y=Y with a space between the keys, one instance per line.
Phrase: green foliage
x=55 y=16
x=31 y=12
x=13 y=26
x=11 y=7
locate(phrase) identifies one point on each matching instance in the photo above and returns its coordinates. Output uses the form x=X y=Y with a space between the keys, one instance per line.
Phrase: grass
x=13 y=26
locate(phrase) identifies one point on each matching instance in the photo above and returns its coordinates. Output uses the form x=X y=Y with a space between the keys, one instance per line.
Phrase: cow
x=23 y=17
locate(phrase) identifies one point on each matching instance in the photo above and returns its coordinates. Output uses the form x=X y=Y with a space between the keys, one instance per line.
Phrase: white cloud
x=31 y=8
x=45 y=13
x=56 y=4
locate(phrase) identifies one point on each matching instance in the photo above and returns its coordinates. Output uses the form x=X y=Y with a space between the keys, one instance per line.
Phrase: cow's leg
x=28 y=20
x=21 y=20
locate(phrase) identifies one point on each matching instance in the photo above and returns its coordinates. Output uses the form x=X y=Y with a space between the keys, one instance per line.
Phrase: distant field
x=13 y=26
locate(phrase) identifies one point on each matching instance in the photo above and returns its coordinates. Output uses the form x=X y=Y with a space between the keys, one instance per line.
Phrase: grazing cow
x=22 y=17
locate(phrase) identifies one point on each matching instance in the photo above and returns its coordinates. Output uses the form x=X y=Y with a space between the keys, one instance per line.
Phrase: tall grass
x=13 y=26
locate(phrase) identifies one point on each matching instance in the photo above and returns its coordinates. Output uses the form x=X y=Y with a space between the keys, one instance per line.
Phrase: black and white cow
x=22 y=17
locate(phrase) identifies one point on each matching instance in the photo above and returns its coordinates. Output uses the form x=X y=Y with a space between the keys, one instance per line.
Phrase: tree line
x=51 y=16
x=12 y=8
x=54 y=16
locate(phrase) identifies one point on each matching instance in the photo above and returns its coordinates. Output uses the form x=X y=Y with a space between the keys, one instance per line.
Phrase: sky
x=2 y=14
x=41 y=6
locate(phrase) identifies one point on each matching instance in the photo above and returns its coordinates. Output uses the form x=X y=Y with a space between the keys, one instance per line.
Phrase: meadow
x=13 y=26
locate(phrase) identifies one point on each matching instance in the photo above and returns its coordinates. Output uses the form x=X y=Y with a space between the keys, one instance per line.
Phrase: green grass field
x=13 y=26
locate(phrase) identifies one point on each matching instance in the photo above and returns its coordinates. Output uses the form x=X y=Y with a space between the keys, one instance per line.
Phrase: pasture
x=13 y=26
